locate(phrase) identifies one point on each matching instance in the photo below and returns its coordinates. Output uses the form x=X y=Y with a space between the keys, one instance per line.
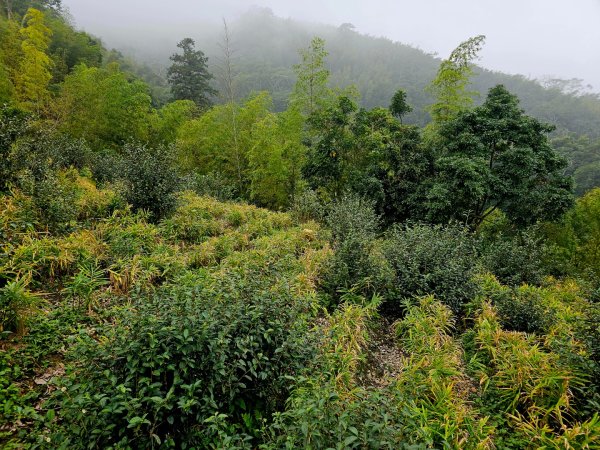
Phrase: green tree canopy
x=34 y=71
x=103 y=106
x=311 y=90
x=495 y=156
x=188 y=75
x=449 y=87
x=399 y=106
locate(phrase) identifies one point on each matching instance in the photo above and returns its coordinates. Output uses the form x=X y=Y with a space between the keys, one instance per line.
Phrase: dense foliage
x=408 y=287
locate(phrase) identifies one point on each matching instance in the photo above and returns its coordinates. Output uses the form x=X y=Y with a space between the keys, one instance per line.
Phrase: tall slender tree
x=34 y=75
x=311 y=90
x=189 y=76
x=449 y=87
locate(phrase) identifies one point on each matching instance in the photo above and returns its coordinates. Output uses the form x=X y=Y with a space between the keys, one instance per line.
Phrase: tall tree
x=189 y=76
x=209 y=143
x=311 y=90
x=228 y=82
x=496 y=157
x=276 y=158
x=449 y=87
x=34 y=75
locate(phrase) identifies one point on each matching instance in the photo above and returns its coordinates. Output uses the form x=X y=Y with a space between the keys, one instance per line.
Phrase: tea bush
x=175 y=360
x=357 y=263
x=150 y=179
x=431 y=260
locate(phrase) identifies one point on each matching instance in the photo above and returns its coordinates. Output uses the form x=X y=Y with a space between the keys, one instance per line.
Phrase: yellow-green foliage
x=433 y=376
x=559 y=305
x=127 y=235
x=94 y=203
x=44 y=258
x=34 y=71
x=529 y=383
x=199 y=218
x=17 y=217
x=525 y=378
x=345 y=346
x=16 y=301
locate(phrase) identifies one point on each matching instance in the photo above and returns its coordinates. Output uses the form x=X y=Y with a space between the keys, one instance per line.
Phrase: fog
x=536 y=38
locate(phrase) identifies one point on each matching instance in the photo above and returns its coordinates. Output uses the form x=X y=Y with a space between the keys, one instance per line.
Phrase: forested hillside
x=264 y=51
x=191 y=265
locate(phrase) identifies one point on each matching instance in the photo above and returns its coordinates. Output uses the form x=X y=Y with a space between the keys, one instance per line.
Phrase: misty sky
x=536 y=38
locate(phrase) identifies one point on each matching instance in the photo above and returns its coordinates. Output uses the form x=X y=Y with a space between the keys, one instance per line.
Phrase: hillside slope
x=266 y=48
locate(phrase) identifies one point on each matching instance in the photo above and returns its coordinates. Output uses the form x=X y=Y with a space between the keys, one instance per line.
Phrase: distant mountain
x=266 y=48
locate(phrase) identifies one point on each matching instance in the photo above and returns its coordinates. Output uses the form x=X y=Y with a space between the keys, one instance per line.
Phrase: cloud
x=536 y=38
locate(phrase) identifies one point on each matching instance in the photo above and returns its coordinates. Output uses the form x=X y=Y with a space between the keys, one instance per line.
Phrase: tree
x=189 y=77
x=276 y=158
x=209 y=144
x=449 y=87
x=6 y=87
x=399 y=106
x=20 y=7
x=34 y=74
x=69 y=48
x=311 y=91
x=103 y=106
x=330 y=147
x=496 y=157
x=167 y=120
x=391 y=166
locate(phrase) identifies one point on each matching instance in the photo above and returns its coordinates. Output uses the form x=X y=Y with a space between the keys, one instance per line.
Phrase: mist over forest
x=286 y=230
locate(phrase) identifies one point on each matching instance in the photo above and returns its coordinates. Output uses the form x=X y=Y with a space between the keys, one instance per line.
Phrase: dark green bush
x=56 y=202
x=428 y=260
x=107 y=166
x=369 y=419
x=44 y=151
x=516 y=259
x=352 y=216
x=307 y=206
x=176 y=361
x=13 y=123
x=212 y=184
x=522 y=310
x=150 y=178
x=356 y=262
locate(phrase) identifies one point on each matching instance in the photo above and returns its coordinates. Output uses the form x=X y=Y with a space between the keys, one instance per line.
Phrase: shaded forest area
x=330 y=259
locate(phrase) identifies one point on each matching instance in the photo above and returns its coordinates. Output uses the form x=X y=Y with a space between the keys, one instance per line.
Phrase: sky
x=536 y=38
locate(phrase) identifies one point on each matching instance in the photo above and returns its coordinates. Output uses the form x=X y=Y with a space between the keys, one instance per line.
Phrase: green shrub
x=151 y=180
x=352 y=216
x=15 y=302
x=211 y=184
x=322 y=418
x=177 y=359
x=519 y=309
x=307 y=206
x=356 y=261
x=107 y=166
x=431 y=260
x=517 y=259
x=82 y=286
x=44 y=150
x=56 y=200
x=13 y=123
